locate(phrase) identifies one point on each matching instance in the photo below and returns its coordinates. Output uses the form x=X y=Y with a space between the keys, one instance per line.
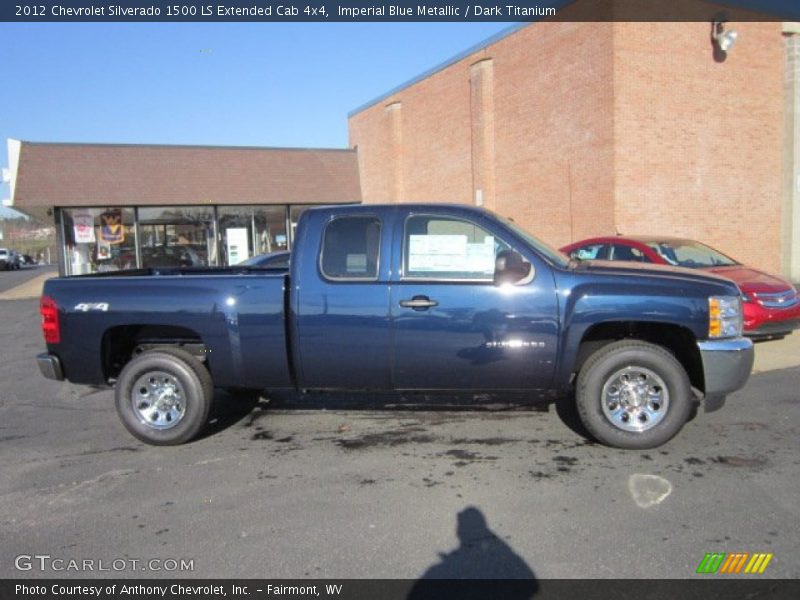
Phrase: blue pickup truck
x=409 y=298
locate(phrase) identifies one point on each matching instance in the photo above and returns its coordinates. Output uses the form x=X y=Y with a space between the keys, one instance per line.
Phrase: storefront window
x=177 y=236
x=106 y=239
x=98 y=239
x=246 y=231
x=294 y=217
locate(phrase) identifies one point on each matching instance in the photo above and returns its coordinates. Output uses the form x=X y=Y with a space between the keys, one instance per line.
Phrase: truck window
x=350 y=248
x=445 y=248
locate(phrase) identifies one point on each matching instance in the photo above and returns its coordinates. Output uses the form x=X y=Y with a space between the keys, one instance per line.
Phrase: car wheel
x=633 y=394
x=163 y=396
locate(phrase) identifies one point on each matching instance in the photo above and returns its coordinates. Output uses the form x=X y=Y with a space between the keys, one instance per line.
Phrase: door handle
x=419 y=303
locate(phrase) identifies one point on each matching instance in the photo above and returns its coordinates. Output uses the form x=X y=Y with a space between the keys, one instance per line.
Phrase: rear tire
x=163 y=396
x=633 y=394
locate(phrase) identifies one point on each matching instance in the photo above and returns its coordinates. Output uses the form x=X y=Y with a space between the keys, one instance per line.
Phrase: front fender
x=626 y=306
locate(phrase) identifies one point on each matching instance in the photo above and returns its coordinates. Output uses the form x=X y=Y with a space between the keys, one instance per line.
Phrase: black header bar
x=702 y=588
x=282 y=11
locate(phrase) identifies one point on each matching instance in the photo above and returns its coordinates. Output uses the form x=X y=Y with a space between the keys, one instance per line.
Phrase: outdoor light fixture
x=723 y=40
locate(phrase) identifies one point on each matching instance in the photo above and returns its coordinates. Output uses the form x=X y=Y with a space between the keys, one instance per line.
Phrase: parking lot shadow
x=481 y=555
x=406 y=401
x=228 y=409
x=567 y=411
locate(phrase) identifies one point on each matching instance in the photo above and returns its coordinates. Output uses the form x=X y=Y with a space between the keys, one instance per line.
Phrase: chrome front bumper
x=726 y=364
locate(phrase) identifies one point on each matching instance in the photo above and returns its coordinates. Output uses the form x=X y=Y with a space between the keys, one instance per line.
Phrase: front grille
x=785 y=299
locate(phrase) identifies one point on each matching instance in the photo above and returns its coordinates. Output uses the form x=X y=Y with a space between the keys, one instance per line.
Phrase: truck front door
x=453 y=327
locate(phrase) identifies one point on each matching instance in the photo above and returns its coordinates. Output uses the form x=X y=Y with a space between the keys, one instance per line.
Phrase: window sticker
x=450 y=253
x=356 y=263
x=480 y=257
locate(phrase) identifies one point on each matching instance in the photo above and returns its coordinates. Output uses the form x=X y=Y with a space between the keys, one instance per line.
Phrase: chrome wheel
x=158 y=400
x=635 y=399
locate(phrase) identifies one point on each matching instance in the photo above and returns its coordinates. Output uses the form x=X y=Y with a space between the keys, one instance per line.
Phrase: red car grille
x=785 y=299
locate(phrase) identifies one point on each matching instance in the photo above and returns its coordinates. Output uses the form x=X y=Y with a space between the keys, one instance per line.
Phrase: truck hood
x=649 y=270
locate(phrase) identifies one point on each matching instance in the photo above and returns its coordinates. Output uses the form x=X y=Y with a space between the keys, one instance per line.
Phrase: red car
x=771 y=304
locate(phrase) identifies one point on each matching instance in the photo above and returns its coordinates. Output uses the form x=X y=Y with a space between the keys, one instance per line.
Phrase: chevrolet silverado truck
x=434 y=298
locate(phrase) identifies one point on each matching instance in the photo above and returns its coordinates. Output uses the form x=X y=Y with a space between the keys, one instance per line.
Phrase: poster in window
x=83 y=224
x=237 y=242
x=103 y=251
x=111 y=230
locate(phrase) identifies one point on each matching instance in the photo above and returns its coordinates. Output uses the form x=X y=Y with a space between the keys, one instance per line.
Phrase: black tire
x=661 y=408
x=173 y=370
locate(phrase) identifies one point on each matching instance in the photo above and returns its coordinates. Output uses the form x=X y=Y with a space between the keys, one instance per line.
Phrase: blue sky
x=253 y=84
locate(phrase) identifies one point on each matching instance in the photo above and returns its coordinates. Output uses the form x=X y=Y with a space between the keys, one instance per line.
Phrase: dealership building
x=118 y=206
x=573 y=129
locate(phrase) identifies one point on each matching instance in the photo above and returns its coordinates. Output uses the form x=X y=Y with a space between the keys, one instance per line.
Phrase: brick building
x=582 y=129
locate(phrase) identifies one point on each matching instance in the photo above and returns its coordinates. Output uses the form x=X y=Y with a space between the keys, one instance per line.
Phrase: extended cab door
x=454 y=328
x=340 y=299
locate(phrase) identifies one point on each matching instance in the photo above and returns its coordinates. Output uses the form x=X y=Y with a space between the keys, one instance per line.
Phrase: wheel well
x=123 y=342
x=678 y=340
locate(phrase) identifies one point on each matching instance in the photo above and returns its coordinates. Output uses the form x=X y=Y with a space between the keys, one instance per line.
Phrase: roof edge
x=190 y=146
x=503 y=33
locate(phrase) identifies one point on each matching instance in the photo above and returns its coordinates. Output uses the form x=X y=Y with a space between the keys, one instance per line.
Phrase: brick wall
x=698 y=145
x=554 y=130
x=434 y=160
x=526 y=122
x=582 y=129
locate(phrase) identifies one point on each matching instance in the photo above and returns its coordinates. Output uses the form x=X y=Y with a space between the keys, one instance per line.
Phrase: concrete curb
x=778 y=354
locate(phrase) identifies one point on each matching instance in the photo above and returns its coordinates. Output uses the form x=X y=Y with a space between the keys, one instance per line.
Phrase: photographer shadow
x=472 y=569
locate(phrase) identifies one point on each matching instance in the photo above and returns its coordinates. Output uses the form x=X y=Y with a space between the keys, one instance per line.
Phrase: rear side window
x=351 y=247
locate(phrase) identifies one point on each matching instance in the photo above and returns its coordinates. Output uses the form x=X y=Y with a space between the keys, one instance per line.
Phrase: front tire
x=633 y=394
x=163 y=396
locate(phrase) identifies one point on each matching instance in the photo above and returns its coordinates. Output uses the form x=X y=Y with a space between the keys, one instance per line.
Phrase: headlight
x=724 y=316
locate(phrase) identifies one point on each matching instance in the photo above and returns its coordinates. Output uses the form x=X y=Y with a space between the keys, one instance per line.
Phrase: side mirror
x=510 y=267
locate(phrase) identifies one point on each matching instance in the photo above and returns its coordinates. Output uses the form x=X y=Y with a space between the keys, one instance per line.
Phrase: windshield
x=551 y=254
x=686 y=253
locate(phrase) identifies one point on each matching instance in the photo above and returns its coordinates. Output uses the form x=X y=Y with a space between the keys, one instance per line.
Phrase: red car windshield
x=686 y=253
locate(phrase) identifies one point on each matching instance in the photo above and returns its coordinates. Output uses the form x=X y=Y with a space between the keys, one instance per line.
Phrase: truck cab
x=409 y=295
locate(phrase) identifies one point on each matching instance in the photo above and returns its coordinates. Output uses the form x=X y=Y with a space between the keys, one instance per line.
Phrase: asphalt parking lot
x=319 y=489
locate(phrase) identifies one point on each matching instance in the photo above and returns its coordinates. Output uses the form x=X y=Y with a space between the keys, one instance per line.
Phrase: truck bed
x=237 y=314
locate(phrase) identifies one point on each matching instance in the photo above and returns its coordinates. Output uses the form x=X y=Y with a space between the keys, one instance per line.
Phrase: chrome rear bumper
x=50 y=366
